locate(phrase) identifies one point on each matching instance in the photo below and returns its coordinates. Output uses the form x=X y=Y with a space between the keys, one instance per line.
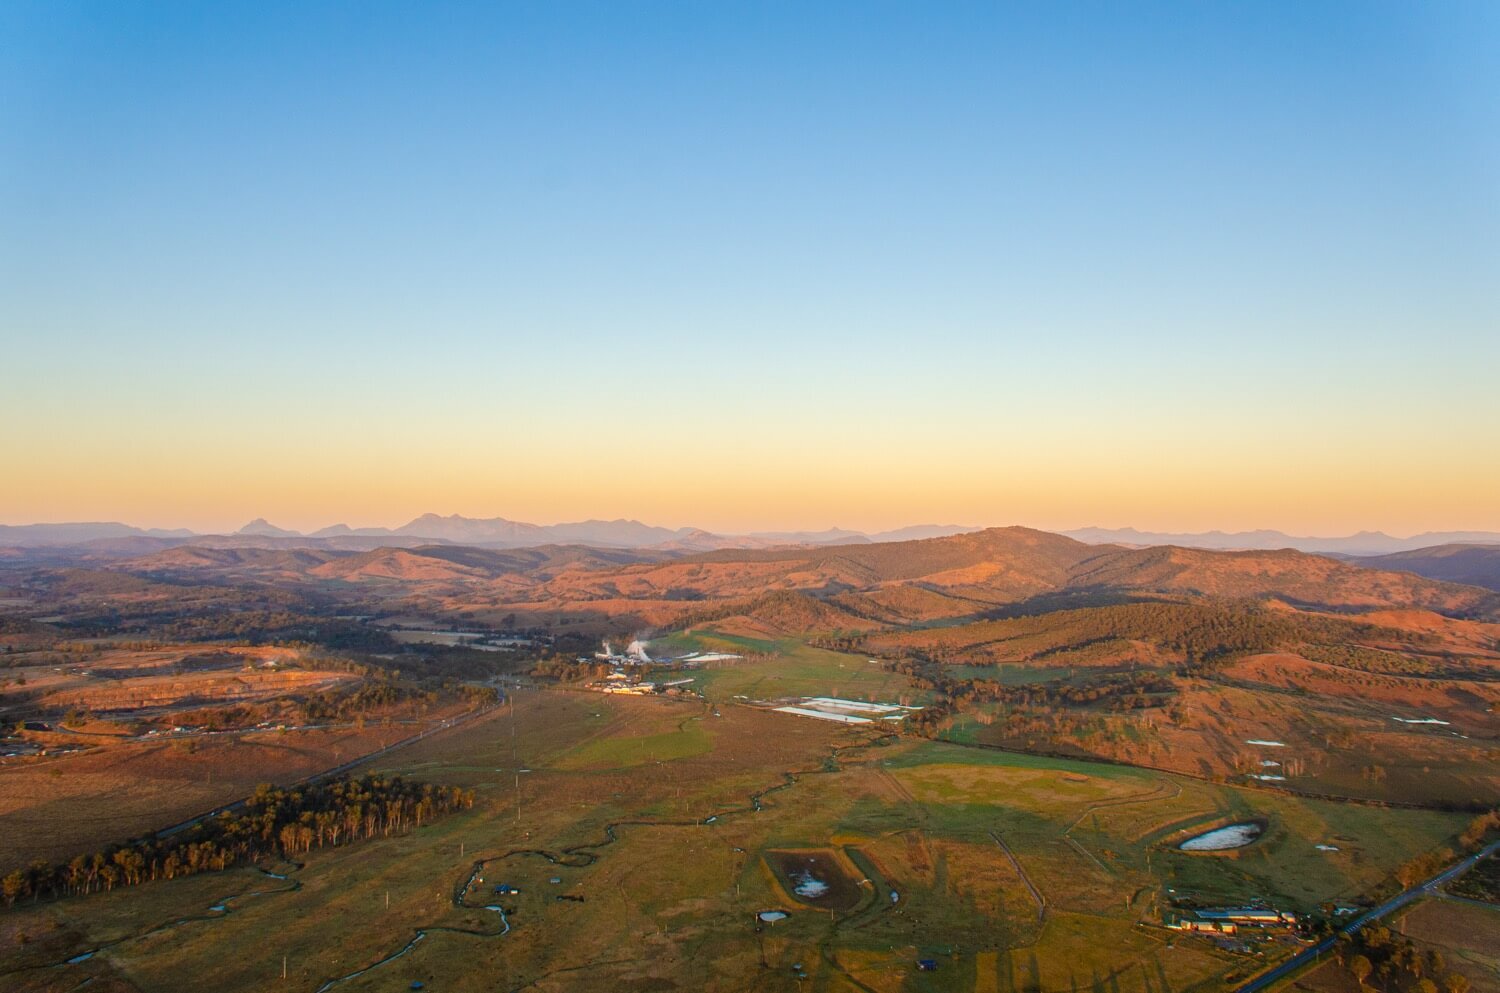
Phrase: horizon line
x=765 y=531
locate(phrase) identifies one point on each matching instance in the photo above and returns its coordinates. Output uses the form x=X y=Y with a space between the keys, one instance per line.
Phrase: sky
x=751 y=266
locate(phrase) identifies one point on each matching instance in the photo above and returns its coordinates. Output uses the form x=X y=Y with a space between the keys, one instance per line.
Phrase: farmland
x=118 y=739
x=55 y=808
x=667 y=858
x=1076 y=715
x=785 y=667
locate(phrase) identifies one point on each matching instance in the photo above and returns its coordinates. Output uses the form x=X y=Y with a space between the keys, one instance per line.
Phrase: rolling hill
x=1476 y=565
x=970 y=575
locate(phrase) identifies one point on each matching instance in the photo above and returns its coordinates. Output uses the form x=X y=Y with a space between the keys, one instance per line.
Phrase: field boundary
x=1036 y=894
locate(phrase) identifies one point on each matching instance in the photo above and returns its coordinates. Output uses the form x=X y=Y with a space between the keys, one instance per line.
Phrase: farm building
x=1185 y=922
x=1247 y=915
x=1227 y=920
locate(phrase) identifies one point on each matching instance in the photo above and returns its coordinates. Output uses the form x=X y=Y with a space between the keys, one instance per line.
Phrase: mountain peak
x=264 y=528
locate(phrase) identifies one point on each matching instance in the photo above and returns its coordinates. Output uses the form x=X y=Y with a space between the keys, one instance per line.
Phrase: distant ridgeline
x=273 y=823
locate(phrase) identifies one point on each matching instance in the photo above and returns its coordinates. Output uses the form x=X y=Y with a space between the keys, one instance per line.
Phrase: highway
x=1309 y=955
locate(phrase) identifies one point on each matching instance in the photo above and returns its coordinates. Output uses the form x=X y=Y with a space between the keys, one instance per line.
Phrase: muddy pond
x=816 y=877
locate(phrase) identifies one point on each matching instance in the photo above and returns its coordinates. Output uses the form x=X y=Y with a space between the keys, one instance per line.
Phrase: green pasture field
x=620 y=750
x=790 y=668
x=656 y=814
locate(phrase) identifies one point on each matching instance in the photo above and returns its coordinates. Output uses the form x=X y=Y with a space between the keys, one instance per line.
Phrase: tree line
x=273 y=823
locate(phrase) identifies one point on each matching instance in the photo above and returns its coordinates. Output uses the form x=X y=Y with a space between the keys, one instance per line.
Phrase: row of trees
x=1480 y=829
x=567 y=670
x=274 y=822
x=1429 y=864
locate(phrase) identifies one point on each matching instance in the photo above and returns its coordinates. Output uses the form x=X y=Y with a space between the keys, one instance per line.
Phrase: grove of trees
x=273 y=823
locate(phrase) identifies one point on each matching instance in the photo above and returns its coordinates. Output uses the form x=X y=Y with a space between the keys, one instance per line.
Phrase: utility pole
x=283 y=966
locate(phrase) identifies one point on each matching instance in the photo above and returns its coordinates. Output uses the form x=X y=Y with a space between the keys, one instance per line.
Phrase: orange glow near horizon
x=753 y=488
x=708 y=266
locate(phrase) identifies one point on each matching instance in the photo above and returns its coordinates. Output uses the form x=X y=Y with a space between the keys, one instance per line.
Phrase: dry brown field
x=1468 y=935
x=643 y=810
x=57 y=807
x=132 y=679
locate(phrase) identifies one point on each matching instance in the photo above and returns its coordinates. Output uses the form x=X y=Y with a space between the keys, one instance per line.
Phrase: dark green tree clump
x=272 y=823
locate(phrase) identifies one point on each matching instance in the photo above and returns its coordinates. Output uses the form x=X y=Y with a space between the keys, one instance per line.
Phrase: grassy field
x=119 y=739
x=622 y=747
x=58 y=807
x=786 y=668
x=657 y=815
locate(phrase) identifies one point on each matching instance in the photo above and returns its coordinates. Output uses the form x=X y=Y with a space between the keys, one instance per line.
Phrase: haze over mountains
x=492 y=532
x=499 y=532
x=1362 y=543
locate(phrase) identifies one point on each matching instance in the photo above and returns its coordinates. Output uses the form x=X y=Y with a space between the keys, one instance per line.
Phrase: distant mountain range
x=501 y=533
x=1363 y=543
x=492 y=532
x=73 y=534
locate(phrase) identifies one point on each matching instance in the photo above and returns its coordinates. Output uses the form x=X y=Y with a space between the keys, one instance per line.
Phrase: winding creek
x=579 y=856
x=583 y=855
x=218 y=911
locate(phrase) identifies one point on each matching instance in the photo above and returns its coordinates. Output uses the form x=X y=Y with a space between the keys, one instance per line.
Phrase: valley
x=1026 y=734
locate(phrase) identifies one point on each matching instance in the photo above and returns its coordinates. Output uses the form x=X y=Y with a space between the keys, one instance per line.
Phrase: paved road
x=1308 y=955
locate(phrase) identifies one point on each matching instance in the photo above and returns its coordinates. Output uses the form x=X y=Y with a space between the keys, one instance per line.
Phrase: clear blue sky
x=1175 y=265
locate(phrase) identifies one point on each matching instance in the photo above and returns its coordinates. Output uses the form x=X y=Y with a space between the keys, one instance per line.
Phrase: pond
x=816 y=877
x=1223 y=839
